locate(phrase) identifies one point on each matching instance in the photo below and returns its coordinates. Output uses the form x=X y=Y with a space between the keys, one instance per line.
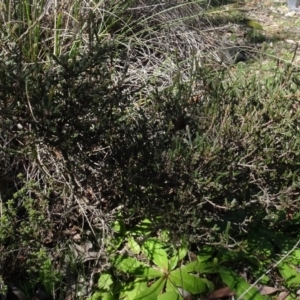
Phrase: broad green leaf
x=202 y=267
x=290 y=274
x=151 y=244
x=190 y=283
x=239 y=285
x=152 y=292
x=150 y=247
x=173 y=261
x=182 y=252
x=103 y=296
x=105 y=282
x=160 y=258
x=133 y=245
x=132 y=289
x=132 y=266
x=169 y=296
x=170 y=287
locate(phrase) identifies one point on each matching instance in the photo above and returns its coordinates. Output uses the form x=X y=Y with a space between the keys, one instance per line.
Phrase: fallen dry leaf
x=283 y=295
x=221 y=293
x=267 y=290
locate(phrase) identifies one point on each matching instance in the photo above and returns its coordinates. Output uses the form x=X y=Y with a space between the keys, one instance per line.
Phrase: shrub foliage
x=202 y=153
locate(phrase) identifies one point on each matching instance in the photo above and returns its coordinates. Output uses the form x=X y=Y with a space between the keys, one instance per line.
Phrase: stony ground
x=281 y=27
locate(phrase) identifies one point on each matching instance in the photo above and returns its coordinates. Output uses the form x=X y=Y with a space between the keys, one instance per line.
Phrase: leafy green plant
x=48 y=276
x=154 y=269
x=167 y=280
x=156 y=275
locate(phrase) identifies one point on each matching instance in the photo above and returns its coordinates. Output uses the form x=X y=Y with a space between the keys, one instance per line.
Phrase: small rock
x=290 y=14
x=290 y=41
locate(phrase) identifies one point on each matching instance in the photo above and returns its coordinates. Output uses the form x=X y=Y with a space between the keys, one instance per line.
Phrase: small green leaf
x=105 y=282
x=202 y=258
x=152 y=292
x=197 y=266
x=182 y=252
x=132 y=266
x=190 y=283
x=155 y=252
x=103 y=296
x=173 y=261
x=169 y=296
x=170 y=287
x=133 y=245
